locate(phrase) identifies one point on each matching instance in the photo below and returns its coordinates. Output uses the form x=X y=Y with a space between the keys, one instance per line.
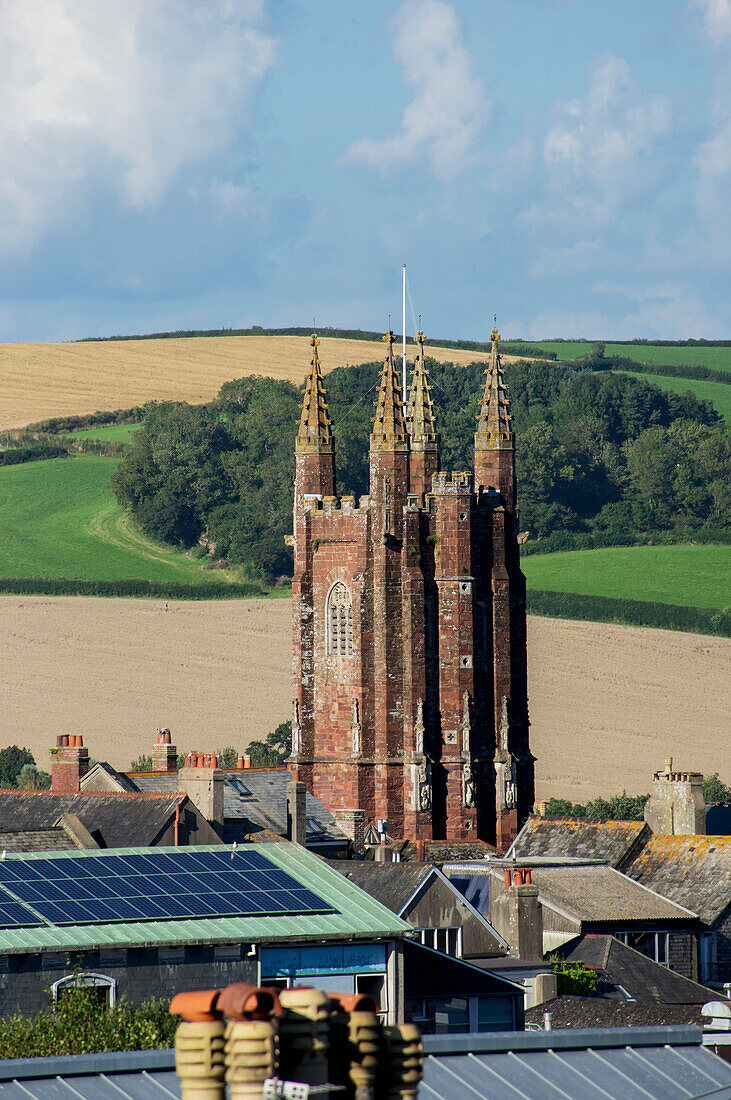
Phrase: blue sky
x=175 y=164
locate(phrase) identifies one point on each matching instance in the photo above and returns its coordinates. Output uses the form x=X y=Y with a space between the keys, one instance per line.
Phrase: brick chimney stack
x=517 y=914
x=69 y=764
x=203 y=781
x=164 y=754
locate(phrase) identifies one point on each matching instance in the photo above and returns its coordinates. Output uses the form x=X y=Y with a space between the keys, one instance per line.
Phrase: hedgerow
x=165 y=590
x=36 y=453
x=606 y=609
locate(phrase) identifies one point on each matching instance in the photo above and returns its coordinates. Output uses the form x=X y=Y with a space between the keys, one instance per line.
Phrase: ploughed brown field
x=38 y=381
x=608 y=703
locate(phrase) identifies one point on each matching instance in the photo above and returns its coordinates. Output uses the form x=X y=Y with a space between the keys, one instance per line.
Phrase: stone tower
x=410 y=689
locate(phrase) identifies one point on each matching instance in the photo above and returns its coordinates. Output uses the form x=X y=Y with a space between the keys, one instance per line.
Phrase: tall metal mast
x=403 y=337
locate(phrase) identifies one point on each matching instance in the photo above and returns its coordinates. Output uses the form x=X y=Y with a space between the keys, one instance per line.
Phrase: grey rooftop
x=665 y=1063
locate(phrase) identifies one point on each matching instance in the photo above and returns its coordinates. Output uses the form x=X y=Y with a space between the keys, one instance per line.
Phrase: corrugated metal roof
x=357 y=914
x=627 y=1063
x=133 y=1075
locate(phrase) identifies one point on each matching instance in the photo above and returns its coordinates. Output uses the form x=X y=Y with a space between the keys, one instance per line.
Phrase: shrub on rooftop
x=574 y=979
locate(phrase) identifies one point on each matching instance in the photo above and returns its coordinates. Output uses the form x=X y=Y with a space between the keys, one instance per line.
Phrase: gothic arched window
x=339 y=621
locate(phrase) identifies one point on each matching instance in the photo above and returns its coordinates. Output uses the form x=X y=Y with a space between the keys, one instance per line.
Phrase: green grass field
x=716 y=358
x=690 y=576
x=118 y=433
x=718 y=393
x=59 y=518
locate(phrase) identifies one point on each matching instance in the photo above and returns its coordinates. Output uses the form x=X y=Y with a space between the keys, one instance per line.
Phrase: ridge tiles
x=389 y=426
x=420 y=414
x=314 y=435
x=493 y=423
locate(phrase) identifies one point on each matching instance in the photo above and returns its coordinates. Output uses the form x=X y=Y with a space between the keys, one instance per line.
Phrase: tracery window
x=340 y=621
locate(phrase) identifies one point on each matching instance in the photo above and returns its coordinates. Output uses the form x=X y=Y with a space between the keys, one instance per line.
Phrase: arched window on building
x=340 y=621
x=104 y=988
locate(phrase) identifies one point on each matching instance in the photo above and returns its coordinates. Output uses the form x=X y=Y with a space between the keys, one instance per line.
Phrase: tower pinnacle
x=314 y=435
x=420 y=411
x=493 y=423
x=389 y=427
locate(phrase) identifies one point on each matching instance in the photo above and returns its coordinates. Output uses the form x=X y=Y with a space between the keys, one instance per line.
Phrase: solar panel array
x=154 y=886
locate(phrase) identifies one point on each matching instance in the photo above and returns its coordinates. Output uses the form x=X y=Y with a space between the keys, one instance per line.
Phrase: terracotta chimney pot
x=197 y=1007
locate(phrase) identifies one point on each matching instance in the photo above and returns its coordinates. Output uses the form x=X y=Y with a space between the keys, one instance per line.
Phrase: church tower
x=410 y=688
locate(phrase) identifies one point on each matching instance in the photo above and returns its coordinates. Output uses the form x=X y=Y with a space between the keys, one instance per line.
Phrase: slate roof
x=598 y=894
x=581 y=1012
x=390 y=883
x=626 y=975
x=355 y=915
x=694 y=871
x=255 y=800
x=163 y=784
x=612 y=841
x=260 y=798
x=448 y=851
x=36 y=840
x=115 y=820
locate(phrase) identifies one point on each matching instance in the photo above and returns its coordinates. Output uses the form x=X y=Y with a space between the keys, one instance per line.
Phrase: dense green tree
x=618 y=807
x=274 y=750
x=12 y=761
x=716 y=791
x=603 y=455
x=33 y=779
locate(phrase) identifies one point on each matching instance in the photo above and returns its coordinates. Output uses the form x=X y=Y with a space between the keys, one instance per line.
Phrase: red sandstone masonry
x=417 y=541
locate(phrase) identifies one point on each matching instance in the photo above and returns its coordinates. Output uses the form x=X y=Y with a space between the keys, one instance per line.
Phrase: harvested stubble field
x=38 y=381
x=608 y=703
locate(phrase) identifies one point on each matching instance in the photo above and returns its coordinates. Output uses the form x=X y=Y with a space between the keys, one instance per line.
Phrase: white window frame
x=429 y=937
x=661 y=938
x=86 y=978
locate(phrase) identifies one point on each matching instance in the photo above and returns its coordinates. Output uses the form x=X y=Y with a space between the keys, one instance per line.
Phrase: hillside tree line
x=602 y=459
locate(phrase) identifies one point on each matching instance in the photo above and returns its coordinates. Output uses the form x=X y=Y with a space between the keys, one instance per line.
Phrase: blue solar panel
x=15 y=915
x=155 y=886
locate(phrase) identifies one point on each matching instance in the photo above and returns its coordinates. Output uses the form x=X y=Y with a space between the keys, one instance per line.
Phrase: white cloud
x=643 y=293
x=443 y=121
x=671 y=310
x=604 y=150
x=232 y=198
x=123 y=94
x=712 y=158
x=716 y=18
x=580 y=257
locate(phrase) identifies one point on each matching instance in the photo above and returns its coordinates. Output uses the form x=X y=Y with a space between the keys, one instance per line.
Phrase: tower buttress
x=495 y=469
x=389 y=476
x=423 y=441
